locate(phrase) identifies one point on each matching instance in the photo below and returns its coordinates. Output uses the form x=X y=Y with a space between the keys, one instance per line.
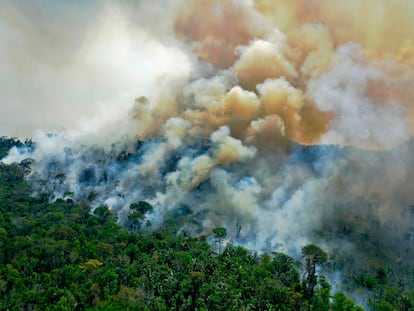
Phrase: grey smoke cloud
x=358 y=118
x=77 y=66
x=141 y=115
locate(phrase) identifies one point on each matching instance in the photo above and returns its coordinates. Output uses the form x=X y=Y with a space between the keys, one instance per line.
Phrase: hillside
x=207 y=155
x=59 y=256
x=63 y=257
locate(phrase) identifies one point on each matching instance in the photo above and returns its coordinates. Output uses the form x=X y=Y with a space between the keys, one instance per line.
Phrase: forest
x=61 y=256
x=207 y=155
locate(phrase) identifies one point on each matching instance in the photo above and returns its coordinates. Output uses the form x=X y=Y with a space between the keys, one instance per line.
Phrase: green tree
x=320 y=300
x=141 y=207
x=104 y=214
x=314 y=256
x=343 y=303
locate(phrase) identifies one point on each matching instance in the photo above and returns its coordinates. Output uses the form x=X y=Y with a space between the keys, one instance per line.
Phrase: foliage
x=314 y=256
x=6 y=144
x=61 y=256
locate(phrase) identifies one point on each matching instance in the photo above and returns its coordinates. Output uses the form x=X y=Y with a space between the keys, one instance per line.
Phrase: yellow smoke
x=278 y=48
x=216 y=27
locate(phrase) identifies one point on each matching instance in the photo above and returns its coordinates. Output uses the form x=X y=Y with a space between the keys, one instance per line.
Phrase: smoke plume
x=287 y=122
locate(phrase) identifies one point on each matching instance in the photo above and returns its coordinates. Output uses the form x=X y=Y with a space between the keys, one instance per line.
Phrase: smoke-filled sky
x=222 y=95
x=310 y=71
x=79 y=65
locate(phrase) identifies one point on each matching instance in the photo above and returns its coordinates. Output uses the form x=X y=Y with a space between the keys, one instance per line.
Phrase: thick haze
x=222 y=97
x=76 y=65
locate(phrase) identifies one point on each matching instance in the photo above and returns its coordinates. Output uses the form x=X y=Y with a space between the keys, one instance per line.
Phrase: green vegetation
x=314 y=257
x=60 y=256
x=7 y=143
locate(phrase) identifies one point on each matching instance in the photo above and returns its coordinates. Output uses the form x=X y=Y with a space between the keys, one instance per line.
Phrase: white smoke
x=77 y=67
x=358 y=119
x=139 y=115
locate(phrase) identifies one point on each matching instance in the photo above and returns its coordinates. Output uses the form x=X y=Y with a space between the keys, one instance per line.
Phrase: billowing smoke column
x=287 y=122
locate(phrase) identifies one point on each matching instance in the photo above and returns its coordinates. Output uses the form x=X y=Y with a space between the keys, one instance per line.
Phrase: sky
x=223 y=97
x=341 y=71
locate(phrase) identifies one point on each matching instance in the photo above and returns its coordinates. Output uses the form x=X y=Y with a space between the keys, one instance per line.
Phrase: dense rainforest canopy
x=62 y=256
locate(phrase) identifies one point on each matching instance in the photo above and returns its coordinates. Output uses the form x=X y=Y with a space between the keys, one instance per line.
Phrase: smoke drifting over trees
x=277 y=120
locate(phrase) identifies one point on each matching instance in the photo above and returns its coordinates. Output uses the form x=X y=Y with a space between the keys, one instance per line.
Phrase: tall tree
x=314 y=256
